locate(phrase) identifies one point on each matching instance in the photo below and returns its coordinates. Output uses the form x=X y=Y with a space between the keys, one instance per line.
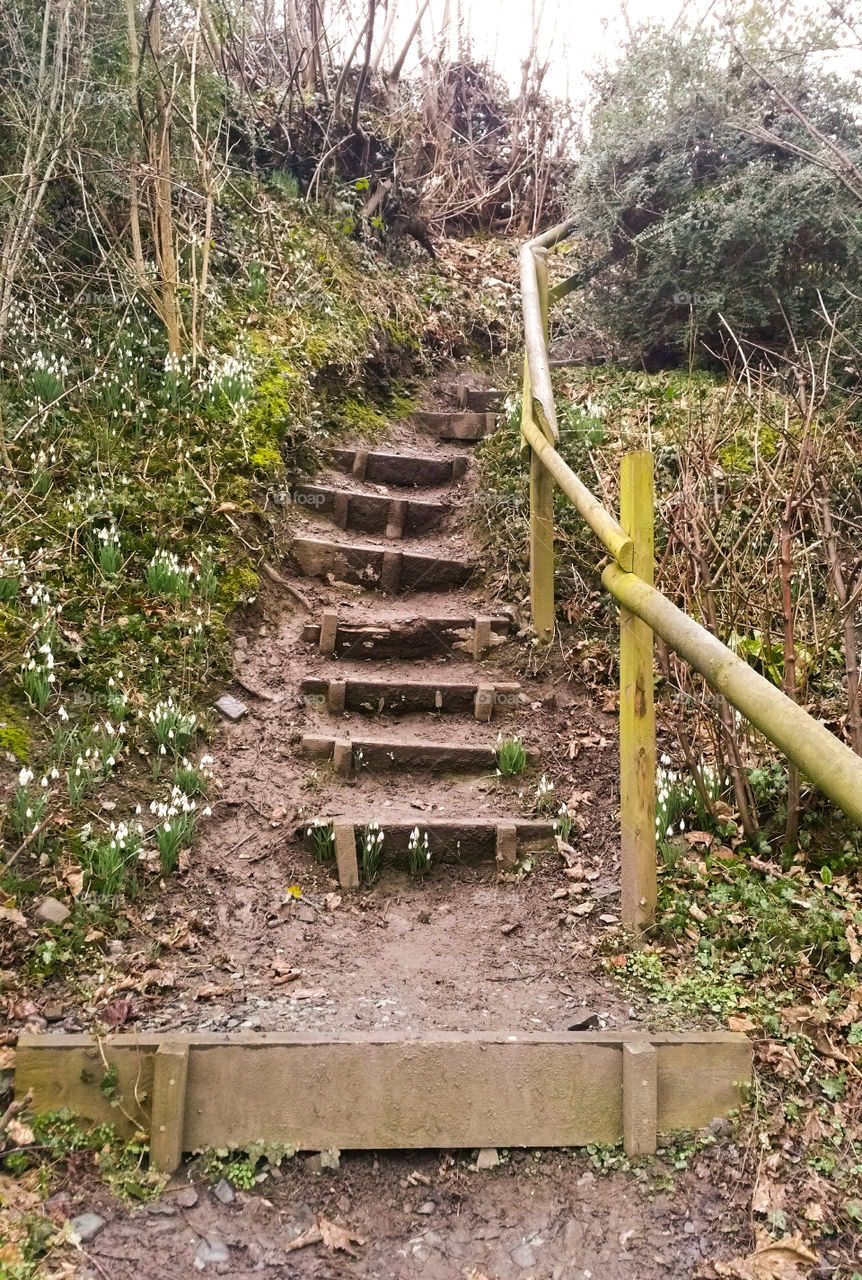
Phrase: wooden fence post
x=170 y=1069
x=637 y=712
x=541 y=503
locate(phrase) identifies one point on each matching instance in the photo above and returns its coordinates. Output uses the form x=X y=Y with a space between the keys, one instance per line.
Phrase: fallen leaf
x=698 y=837
x=335 y=1237
x=780 y=1058
x=771 y=1260
x=116 y=1013
x=7 y=1058
x=157 y=978
x=853 y=944
x=740 y=1024
x=211 y=991
x=13 y=916
x=309 y=993
x=329 y=1234
x=767 y=1197
x=14 y=1195
x=814 y=1128
x=180 y=939
x=814 y=1211
x=74 y=878
x=21 y=1134
x=332 y=901
x=21 y=1009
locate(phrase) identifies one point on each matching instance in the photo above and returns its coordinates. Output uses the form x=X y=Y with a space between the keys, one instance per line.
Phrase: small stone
x=573 y=1238
x=523 y=1256
x=53 y=1012
x=306 y=914
x=720 y=1127
x=52 y=911
x=241 y=642
x=329 y=1160
x=688 y=1228
x=224 y=1192
x=487 y=1158
x=427 y=1208
x=210 y=1250
x=585 y=1179
x=116 y=948
x=230 y=707
x=187 y=1198
x=87 y=1225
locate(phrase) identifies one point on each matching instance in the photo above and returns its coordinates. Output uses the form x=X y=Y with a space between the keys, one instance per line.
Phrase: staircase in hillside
x=403 y=692
x=429 y=710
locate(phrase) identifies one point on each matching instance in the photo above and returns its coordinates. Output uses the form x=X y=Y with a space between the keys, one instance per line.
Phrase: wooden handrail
x=606 y=527
x=826 y=761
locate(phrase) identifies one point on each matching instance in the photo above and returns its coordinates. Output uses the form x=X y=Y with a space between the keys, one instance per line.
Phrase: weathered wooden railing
x=823 y=758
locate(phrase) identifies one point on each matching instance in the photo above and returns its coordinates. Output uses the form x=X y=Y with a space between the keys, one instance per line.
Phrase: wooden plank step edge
x=379 y=1091
x=348 y=754
x=483 y=698
x=361 y=637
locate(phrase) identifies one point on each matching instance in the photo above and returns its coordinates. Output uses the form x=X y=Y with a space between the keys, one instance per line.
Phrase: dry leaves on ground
x=11 y=915
x=329 y=1234
x=786 y=1259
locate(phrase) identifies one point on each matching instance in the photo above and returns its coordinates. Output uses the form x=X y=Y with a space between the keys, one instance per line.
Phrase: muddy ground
x=228 y=945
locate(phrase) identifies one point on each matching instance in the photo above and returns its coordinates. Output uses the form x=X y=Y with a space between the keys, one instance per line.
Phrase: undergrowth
x=142 y=496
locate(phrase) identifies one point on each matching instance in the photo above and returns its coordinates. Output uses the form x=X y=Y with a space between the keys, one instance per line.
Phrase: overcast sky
x=575 y=34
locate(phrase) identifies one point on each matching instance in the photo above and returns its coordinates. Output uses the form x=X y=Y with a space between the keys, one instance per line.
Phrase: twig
x=29 y=840
x=275 y=576
x=257 y=693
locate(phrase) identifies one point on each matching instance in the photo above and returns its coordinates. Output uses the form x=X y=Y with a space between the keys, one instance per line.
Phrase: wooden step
x=391 y=571
x=392 y=753
x=398 y=697
x=485 y=400
x=406 y=638
x=463 y=425
x=415 y=471
x=451 y=841
x=371 y=512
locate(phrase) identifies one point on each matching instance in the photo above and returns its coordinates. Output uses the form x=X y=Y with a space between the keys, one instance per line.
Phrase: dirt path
x=470 y=946
x=463 y=948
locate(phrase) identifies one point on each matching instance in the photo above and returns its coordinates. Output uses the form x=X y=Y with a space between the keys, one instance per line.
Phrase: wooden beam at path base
x=376 y=1091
